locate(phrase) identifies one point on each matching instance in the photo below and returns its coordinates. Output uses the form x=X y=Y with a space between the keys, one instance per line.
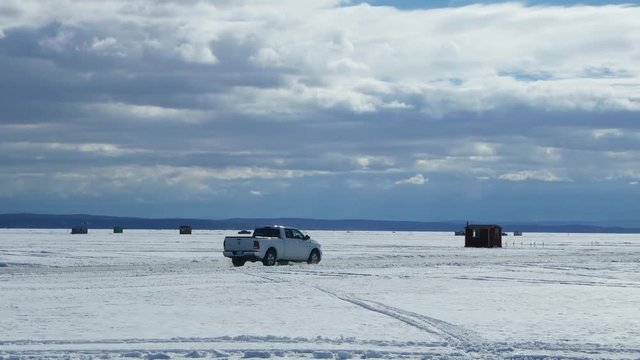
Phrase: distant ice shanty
x=185 y=230
x=80 y=229
x=118 y=230
x=485 y=235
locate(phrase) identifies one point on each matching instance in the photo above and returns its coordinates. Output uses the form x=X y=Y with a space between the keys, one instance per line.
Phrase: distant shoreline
x=50 y=221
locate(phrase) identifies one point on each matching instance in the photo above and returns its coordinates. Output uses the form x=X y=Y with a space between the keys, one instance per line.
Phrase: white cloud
x=395 y=104
x=267 y=57
x=197 y=53
x=465 y=165
x=419 y=179
x=104 y=43
x=540 y=175
x=548 y=153
x=49 y=148
x=146 y=112
x=600 y=133
x=368 y=162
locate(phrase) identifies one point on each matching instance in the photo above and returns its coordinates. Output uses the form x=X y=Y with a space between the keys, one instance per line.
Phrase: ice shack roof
x=483 y=226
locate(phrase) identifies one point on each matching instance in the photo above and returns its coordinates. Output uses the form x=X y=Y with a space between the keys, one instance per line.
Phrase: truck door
x=297 y=247
x=287 y=245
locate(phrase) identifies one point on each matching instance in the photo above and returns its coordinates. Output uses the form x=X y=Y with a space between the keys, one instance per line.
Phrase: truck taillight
x=256 y=245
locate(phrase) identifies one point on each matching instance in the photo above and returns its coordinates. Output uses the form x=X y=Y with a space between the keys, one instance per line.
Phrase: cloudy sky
x=407 y=110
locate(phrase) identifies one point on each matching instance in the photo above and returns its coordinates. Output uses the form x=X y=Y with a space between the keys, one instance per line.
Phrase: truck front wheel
x=314 y=257
x=269 y=258
x=238 y=262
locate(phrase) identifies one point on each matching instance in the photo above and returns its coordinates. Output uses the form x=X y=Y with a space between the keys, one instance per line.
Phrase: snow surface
x=412 y=295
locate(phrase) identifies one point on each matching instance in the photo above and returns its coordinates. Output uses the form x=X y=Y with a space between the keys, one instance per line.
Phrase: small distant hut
x=118 y=230
x=185 y=230
x=517 y=233
x=80 y=229
x=486 y=235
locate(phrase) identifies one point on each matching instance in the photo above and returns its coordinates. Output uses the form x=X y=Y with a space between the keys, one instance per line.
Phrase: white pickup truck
x=272 y=245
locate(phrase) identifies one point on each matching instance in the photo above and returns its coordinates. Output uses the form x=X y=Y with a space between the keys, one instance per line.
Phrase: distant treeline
x=44 y=221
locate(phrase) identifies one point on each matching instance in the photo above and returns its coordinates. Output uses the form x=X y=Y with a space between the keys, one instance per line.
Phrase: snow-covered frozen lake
x=411 y=295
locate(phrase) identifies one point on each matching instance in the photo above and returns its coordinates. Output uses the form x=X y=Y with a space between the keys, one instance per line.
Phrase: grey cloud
x=40 y=67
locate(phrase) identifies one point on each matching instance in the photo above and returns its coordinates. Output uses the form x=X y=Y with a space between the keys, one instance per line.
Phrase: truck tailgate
x=238 y=243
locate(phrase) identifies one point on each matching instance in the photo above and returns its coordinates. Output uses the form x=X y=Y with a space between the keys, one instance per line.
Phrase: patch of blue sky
x=588 y=73
x=605 y=73
x=527 y=75
x=430 y=4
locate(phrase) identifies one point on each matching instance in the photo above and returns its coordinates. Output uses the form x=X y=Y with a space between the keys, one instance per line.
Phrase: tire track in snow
x=461 y=343
x=460 y=338
x=262 y=277
x=323 y=272
x=546 y=281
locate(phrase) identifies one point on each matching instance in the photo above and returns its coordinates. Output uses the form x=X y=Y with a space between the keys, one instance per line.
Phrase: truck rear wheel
x=270 y=258
x=238 y=262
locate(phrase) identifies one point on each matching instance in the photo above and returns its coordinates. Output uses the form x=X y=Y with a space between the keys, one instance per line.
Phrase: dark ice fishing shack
x=483 y=235
x=80 y=229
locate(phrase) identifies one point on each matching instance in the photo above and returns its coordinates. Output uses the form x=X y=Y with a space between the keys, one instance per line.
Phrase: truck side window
x=288 y=233
x=297 y=234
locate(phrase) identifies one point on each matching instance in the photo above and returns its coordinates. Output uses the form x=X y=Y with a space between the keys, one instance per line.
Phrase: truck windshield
x=266 y=232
